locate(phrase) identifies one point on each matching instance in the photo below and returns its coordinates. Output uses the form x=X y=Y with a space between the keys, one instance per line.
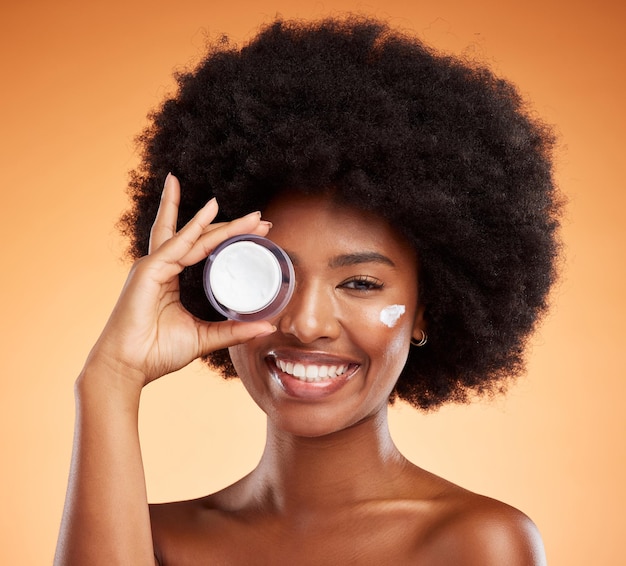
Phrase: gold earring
x=420 y=343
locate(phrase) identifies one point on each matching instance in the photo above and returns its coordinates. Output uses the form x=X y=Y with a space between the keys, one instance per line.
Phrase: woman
x=394 y=177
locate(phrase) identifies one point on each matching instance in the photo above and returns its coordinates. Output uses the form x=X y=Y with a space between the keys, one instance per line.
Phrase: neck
x=304 y=474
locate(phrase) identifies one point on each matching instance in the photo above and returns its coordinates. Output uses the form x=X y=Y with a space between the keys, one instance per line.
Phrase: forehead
x=320 y=225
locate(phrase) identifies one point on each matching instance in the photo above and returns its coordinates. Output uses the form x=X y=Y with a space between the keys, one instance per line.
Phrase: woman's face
x=343 y=339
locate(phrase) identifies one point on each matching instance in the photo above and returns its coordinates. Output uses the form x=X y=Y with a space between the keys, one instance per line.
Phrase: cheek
x=385 y=331
x=246 y=366
x=387 y=319
x=390 y=315
x=240 y=356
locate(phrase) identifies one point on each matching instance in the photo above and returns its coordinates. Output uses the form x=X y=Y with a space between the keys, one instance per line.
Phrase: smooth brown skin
x=331 y=487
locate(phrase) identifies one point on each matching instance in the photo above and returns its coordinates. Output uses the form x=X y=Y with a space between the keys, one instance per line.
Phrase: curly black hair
x=443 y=149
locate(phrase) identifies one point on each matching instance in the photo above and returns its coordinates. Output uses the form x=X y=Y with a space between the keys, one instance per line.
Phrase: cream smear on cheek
x=390 y=315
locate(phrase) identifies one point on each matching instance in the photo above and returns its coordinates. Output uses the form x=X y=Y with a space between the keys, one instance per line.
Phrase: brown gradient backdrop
x=77 y=80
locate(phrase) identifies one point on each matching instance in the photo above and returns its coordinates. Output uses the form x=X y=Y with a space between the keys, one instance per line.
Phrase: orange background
x=77 y=80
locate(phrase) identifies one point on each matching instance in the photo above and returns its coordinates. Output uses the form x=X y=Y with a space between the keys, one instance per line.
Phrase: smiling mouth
x=311 y=372
x=310 y=381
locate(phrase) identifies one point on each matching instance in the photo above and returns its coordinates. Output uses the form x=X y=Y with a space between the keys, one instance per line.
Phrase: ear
x=419 y=324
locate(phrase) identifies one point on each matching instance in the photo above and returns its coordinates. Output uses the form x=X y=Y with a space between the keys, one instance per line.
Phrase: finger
x=208 y=241
x=195 y=242
x=262 y=227
x=164 y=226
x=218 y=335
x=184 y=240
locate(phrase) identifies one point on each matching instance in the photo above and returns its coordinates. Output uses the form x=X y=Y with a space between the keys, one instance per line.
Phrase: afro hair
x=442 y=148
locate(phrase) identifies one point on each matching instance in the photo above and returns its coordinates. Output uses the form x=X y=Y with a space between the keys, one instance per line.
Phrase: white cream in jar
x=248 y=278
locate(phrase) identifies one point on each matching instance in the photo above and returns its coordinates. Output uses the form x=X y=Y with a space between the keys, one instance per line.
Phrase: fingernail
x=266 y=223
x=256 y=213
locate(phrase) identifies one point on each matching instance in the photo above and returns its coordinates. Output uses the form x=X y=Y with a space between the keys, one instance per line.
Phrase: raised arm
x=149 y=334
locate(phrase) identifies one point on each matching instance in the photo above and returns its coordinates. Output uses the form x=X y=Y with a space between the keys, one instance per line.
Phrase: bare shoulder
x=187 y=532
x=477 y=530
x=182 y=532
x=192 y=514
x=429 y=521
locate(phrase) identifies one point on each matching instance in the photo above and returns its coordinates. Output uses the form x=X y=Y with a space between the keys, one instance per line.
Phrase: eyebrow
x=345 y=260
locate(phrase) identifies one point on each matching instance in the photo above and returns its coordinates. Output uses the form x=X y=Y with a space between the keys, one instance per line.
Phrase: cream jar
x=248 y=278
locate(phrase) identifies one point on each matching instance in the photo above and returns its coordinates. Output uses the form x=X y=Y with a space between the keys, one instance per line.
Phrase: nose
x=311 y=313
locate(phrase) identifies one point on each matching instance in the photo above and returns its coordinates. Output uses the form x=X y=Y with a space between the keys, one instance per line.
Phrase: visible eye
x=362 y=283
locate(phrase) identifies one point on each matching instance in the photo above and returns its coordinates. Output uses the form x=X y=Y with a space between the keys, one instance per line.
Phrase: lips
x=308 y=379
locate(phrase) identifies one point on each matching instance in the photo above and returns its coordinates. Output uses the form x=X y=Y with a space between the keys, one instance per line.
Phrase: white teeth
x=311 y=372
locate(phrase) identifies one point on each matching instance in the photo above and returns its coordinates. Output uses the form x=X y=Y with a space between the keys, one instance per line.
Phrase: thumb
x=218 y=335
